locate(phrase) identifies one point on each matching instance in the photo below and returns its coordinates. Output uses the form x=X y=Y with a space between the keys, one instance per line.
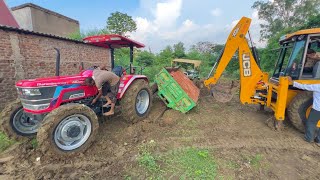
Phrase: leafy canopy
x=282 y=14
x=121 y=23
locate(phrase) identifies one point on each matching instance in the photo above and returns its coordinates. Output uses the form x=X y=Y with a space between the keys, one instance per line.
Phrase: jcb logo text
x=246 y=65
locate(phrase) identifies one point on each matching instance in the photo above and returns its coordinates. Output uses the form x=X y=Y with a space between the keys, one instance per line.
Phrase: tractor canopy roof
x=112 y=41
x=301 y=32
x=196 y=63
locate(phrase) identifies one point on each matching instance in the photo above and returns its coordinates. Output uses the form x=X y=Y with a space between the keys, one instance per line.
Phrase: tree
x=92 y=32
x=281 y=14
x=165 y=56
x=121 y=23
x=313 y=22
x=145 y=58
x=203 y=47
x=179 y=50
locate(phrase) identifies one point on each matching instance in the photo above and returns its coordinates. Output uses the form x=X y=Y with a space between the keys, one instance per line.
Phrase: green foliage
x=188 y=163
x=203 y=47
x=152 y=71
x=254 y=161
x=179 y=50
x=122 y=57
x=5 y=142
x=80 y=35
x=147 y=159
x=313 y=22
x=34 y=143
x=121 y=23
x=191 y=163
x=282 y=14
x=165 y=57
x=145 y=58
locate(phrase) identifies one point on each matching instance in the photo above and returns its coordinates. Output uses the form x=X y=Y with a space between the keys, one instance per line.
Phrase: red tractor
x=58 y=109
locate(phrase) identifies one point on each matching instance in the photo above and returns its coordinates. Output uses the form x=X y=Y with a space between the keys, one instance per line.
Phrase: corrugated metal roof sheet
x=24 y=31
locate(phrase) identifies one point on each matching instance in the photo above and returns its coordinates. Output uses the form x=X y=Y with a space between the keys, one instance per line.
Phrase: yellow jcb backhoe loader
x=276 y=93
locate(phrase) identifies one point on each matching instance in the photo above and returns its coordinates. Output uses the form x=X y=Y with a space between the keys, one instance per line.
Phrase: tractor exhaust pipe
x=57 y=62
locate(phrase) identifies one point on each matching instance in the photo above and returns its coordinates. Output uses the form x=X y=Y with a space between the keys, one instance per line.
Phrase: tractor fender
x=126 y=81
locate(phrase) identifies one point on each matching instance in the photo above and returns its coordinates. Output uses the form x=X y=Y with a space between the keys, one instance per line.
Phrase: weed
x=146 y=159
x=34 y=143
x=188 y=163
x=191 y=163
x=254 y=161
x=5 y=142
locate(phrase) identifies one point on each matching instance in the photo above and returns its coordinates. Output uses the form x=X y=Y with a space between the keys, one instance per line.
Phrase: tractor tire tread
x=128 y=101
x=45 y=133
x=5 y=121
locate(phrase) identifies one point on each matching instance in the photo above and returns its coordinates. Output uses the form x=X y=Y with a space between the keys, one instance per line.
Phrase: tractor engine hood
x=55 y=81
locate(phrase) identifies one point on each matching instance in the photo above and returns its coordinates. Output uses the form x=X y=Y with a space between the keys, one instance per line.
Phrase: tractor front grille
x=37 y=102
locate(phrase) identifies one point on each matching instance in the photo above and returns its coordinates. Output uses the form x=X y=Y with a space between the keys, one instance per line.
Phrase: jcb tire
x=50 y=138
x=298 y=108
x=130 y=101
x=7 y=117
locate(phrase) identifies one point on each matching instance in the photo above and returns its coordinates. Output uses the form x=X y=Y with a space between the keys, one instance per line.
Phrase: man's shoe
x=309 y=141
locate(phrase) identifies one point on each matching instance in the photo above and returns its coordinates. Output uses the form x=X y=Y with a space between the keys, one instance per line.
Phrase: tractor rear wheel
x=68 y=130
x=299 y=108
x=136 y=102
x=15 y=124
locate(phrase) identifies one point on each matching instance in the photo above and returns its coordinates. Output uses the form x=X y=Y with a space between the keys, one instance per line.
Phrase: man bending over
x=107 y=83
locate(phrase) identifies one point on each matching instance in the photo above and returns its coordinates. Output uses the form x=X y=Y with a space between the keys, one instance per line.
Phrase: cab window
x=311 y=66
x=294 y=66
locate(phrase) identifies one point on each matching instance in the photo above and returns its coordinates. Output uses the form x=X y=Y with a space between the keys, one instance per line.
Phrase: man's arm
x=97 y=97
x=308 y=87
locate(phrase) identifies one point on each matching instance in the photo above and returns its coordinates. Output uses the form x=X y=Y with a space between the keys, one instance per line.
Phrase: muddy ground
x=237 y=137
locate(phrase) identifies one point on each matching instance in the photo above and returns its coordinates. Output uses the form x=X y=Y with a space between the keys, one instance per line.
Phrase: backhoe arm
x=250 y=73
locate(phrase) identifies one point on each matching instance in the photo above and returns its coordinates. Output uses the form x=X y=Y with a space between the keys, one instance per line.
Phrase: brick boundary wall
x=25 y=55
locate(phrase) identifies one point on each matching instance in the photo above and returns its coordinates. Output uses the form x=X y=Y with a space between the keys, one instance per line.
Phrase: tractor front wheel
x=68 y=130
x=136 y=102
x=299 y=109
x=16 y=124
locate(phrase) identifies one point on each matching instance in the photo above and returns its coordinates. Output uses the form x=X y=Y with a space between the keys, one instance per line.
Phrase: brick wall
x=28 y=55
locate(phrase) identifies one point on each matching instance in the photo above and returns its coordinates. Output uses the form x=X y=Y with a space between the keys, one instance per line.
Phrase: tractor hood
x=55 y=81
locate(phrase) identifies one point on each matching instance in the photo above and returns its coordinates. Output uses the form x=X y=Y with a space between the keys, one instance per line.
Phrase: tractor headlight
x=35 y=107
x=31 y=92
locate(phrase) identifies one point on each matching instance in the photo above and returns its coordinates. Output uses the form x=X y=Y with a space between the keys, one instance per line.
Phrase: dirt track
x=233 y=133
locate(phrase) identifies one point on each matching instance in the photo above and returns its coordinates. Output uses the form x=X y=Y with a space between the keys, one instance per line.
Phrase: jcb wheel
x=136 y=102
x=299 y=109
x=68 y=130
x=15 y=124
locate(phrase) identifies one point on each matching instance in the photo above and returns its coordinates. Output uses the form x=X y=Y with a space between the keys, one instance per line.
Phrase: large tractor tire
x=68 y=130
x=136 y=102
x=15 y=124
x=299 y=109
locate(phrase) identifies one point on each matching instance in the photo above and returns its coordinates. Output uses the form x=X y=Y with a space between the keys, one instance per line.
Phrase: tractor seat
x=316 y=71
x=118 y=70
